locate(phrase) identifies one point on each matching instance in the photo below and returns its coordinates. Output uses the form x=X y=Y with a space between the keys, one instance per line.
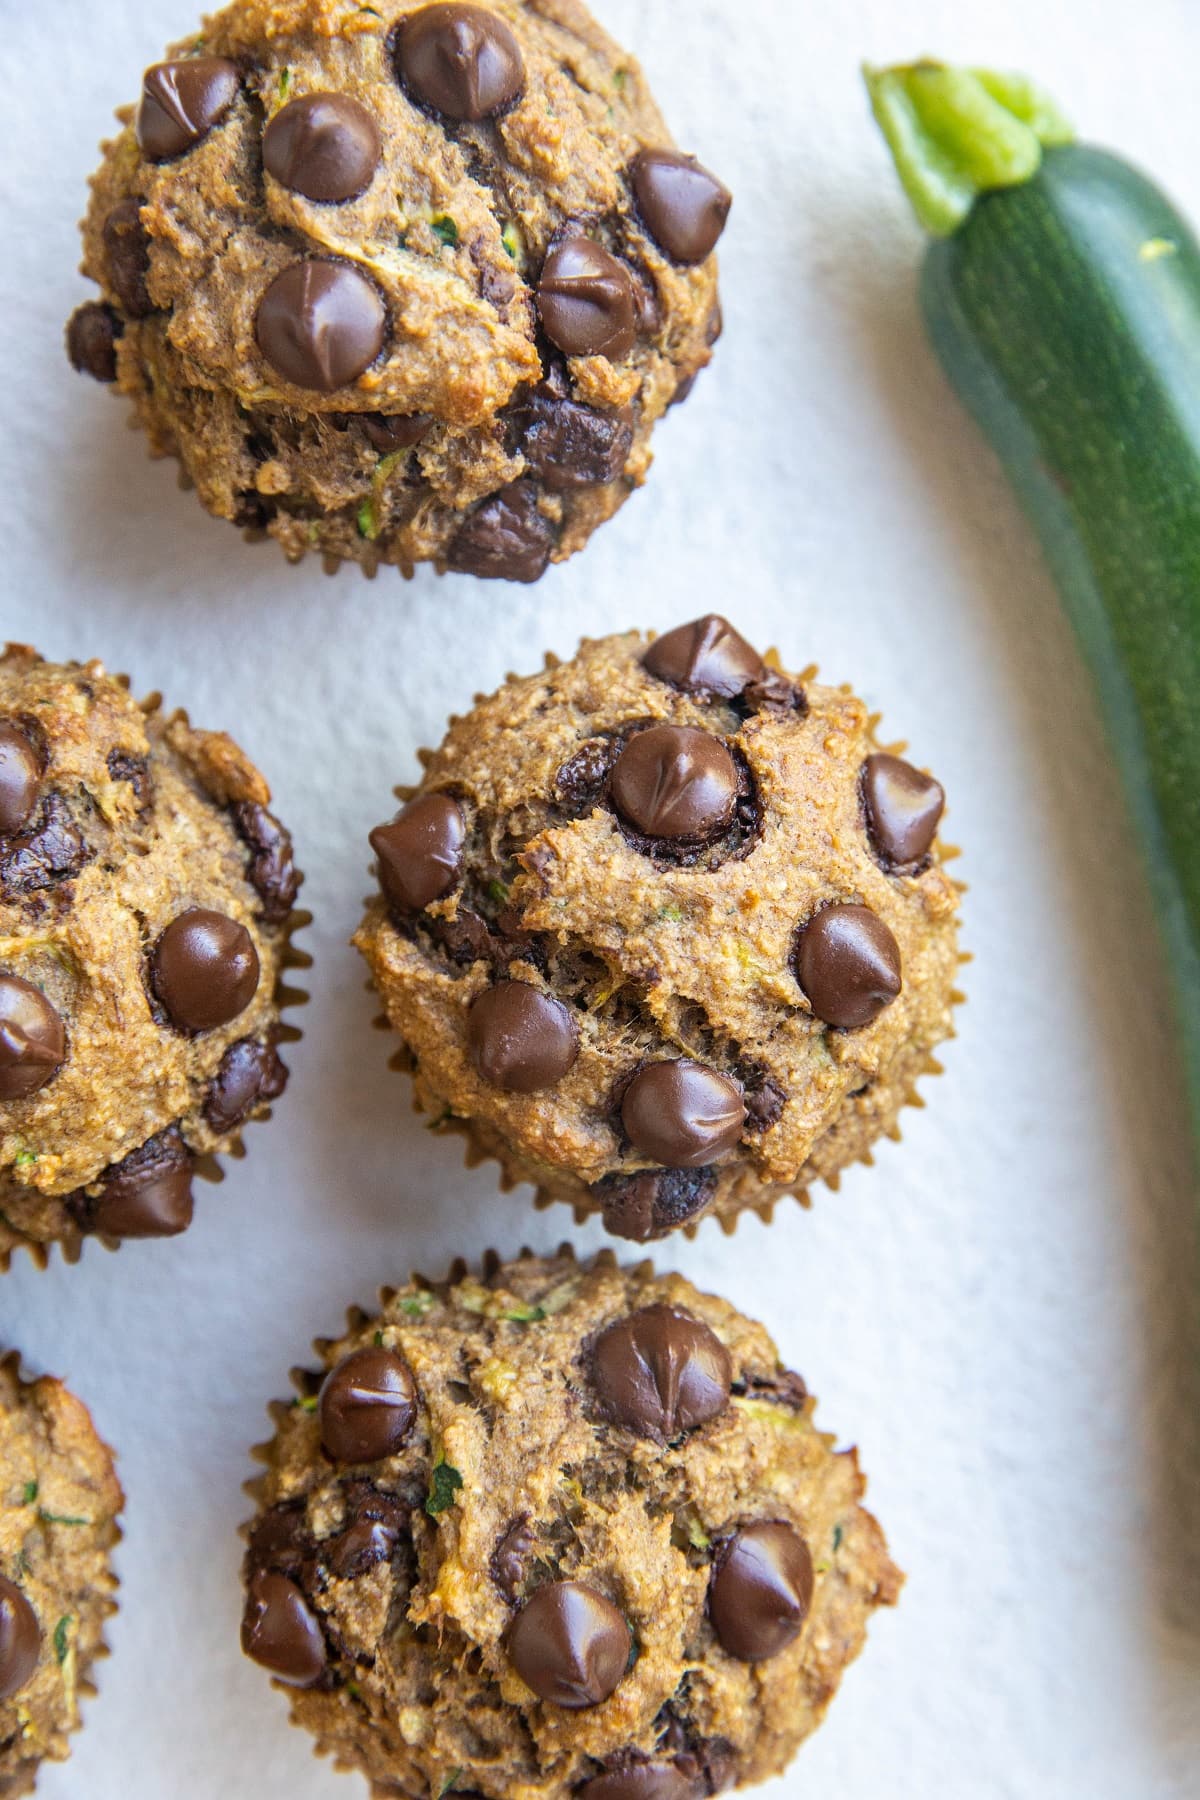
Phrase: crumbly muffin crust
x=523 y=1599
x=59 y=1501
x=125 y=828
x=462 y=404
x=682 y=1068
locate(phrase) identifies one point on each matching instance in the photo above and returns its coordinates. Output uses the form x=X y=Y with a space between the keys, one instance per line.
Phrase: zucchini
x=1062 y=296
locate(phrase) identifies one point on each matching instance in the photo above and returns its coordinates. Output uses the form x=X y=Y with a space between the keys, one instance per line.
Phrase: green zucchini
x=1062 y=296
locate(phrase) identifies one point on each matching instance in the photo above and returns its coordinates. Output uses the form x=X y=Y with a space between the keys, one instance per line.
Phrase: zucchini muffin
x=665 y=930
x=59 y=1501
x=560 y=1531
x=402 y=283
x=146 y=905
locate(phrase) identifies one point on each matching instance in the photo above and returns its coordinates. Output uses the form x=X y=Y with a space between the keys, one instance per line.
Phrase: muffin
x=665 y=930
x=146 y=905
x=59 y=1501
x=402 y=283
x=563 y=1530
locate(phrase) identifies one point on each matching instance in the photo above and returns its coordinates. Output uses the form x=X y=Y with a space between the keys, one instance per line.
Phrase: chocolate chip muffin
x=59 y=1501
x=146 y=907
x=562 y=1530
x=666 y=930
x=402 y=283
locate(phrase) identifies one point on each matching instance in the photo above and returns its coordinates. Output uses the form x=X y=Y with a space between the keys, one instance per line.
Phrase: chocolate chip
x=505 y=539
x=136 y=771
x=661 y=1372
x=52 y=852
x=394 y=431
x=682 y=1113
x=127 y=247
x=20 y=1639
x=420 y=852
x=568 y=445
x=511 y=1556
x=360 y=1547
x=368 y=1406
x=250 y=1075
x=765 y=1101
x=570 y=1645
x=20 y=779
x=639 y=1781
x=148 y=1194
x=580 y=781
x=671 y=781
x=462 y=61
x=320 y=324
x=903 y=808
x=706 y=657
x=848 y=964
x=204 y=969
x=280 y=1631
x=324 y=146
x=586 y=300
x=683 y=206
x=273 y=873
x=92 y=333
x=653 y=1202
x=181 y=102
x=761 y=1590
x=520 y=1039
x=33 y=1044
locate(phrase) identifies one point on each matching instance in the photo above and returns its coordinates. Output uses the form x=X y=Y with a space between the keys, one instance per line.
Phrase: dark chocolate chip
x=148 y=1194
x=250 y=1075
x=204 y=969
x=420 y=852
x=570 y=1645
x=765 y=1101
x=33 y=1044
x=639 y=1781
x=20 y=779
x=586 y=300
x=903 y=808
x=324 y=146
x=273 y=872
x=653 y=1202
x=136 y=771
x=92 y=333
x=510 y=1559
x=51 y=852
x=661 y=1372
x=362 y=1546
x=127 y=247
x=682 y=1113
x=280 y=1631
x=394 y=431
x=181 y=102
x=520 y=1039
x=782 y=1387
x=462 y=61
x=707 y=656
x=580 y=781
x=568 y=445
x=672 y=781
x=320 y=324
x=761 y=1590
x=848 y=964
x=368 y=1406
x=20 y=1639
x=505 y=539
x=683 y=206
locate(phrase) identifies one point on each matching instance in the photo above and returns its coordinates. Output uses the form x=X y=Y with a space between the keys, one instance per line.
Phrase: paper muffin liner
x=483 y=1145
x=206 y=1166
x=12 y=1367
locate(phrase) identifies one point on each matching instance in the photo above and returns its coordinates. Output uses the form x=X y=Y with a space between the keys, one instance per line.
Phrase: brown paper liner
x=12 y=1365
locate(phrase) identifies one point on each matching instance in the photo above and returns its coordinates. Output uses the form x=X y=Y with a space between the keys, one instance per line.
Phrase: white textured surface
x=1001 y=1313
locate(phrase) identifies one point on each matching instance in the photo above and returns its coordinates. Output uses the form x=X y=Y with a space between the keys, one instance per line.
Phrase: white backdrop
x=1001 y=1313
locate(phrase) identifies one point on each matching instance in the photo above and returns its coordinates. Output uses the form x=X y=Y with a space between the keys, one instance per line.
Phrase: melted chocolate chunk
x=147 y=1194
x=653 y=1202
x=580 y=783
x=53 y=850
x=127 y=246
x=504 y=539
x=136 y=771
x=511 y=1557
x=765 y=1101
x=250 y=1075
x=568 y=445
x=273 y=873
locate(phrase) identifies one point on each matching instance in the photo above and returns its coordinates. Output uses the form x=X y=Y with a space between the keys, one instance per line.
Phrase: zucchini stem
x=955 y=134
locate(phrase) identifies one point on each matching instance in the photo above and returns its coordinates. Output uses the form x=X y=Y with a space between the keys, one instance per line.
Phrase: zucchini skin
x=1066 y=313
